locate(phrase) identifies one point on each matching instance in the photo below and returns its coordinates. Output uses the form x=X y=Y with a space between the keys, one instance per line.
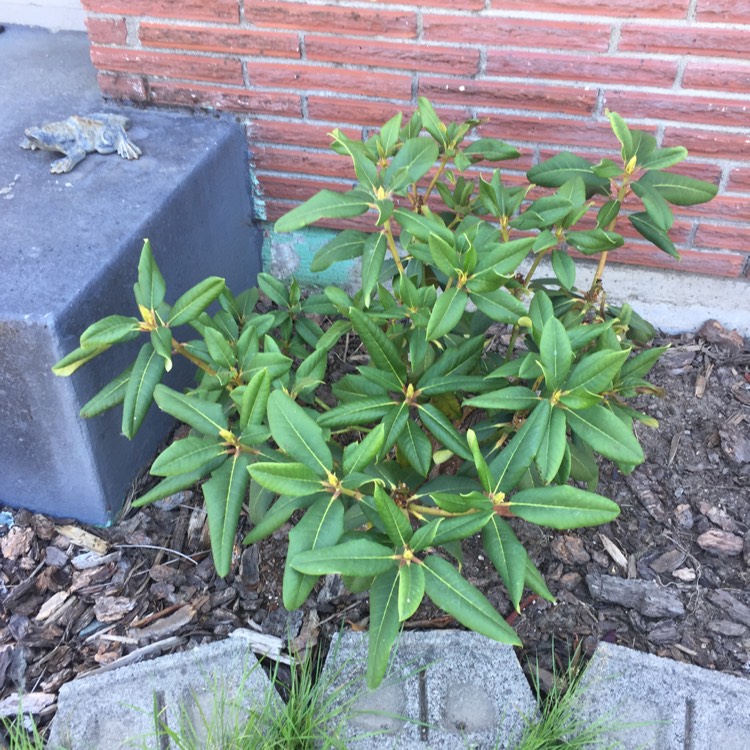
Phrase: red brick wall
x=294 y=69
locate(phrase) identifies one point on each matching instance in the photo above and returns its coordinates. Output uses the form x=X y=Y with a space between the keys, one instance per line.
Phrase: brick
x=723 y=11
x=680 y=108
x=324 y=18
x=307 y=134
x=452 y=4
x=582 y=68
x=220 y=11
x=623 y=9
x=106 y=30
x=232 y=99
x=295 y=188
x=297 y=160
x=691 y=261
x=691 y=40
x=405 y=57
x=168 y=65
x=330 y=80
x=515 y=32
x=717 y=77
x=229 y=41
x=739 y=180
x=708 y=143
x=727 y=208
x=120 y=86
x=723 y=236
x=502 y=95
x=540 y=130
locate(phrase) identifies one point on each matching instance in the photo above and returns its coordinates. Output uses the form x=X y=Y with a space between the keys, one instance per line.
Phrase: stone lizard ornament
x=81 y=135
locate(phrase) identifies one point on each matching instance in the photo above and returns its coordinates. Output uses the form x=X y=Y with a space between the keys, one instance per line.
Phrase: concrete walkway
x=445 y=690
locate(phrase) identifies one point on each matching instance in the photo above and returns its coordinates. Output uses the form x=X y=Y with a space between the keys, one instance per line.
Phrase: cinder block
x=69 y=256
x=209 y=689
x=651 y=702
x=445 y=689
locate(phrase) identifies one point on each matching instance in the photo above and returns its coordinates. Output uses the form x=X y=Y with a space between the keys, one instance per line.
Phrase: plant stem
x=622 y=193
x=443 y=164
x=180 y=349
x=392 y=246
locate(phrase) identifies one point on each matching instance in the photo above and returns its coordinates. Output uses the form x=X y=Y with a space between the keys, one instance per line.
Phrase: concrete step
x=69 y=254
x=662 y=704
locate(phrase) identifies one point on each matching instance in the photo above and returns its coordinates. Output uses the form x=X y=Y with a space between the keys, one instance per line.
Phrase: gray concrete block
x=653 y=703
x=445 y=689
x=208 y=690
x=69 y=255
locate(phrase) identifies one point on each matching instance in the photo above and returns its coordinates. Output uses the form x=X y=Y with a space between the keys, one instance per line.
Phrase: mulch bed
x=670 y=576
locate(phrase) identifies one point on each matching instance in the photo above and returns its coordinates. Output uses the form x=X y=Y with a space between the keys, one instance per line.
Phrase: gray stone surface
x=68 y=257
x=206 y=691
x=659 y=704
x=445 y=689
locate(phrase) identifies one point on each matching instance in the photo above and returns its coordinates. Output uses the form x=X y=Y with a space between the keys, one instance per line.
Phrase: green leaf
x=112 y=394
x=678 y=189
x=441 y=428
x=622 y=132
x=110 y=330
x=555 y=353
x=510 y=398
x=646 y=227
x=148 y=369
x=394 y=423
x=461 y=527
x=606 y=434
x=607 y=214
x=252 y=406
x=322 y=526
x=150 y=288
x=358 y=412
x=413 y=161
x=219 y=349
x=640 y=365
x=384 y=626
x=444 y=255
x=556 y=171
x=657 y=208
x=191 y=304
x=431 y=122
x=298 y=434
x=224 y=494
x=423 y=224
x=416 y=448
x=595 y=372
x=372 y=261
x=276 y=364
x=454 y=594
x=389 y=133
x=563 y=507
x=206 y=417
x=500 y=306
x=535 y=581
x=663 y=158
x=564 y=267
x=311 y=372
x=168 y=487
x=278 y=514
x=293 y=479
x=383 y=352
x=410 y=590
x=483 y=471
x=491 y=149
x=516 y=457
x=551 y=452
x=594 y=240
x=364 y=167
x=395 y=522
x=360 y=557
x=344 y=246
x=326 y=204
x=191 y=454
x=507 y=555
x=161 y=340
x=72 y=361
x=446 y=313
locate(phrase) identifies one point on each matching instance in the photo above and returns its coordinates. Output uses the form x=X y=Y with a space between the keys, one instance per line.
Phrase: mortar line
x=424 y=729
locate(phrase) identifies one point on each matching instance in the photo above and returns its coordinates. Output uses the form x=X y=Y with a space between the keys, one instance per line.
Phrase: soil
x=669 y=576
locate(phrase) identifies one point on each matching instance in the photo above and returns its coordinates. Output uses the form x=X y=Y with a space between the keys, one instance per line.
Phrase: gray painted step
x=445 y=689
x=660 y=704
x=68 y=257
x=202 y=690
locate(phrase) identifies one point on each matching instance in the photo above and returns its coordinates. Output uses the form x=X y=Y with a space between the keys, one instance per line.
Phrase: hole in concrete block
x=468 y=709
x=380 y=709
